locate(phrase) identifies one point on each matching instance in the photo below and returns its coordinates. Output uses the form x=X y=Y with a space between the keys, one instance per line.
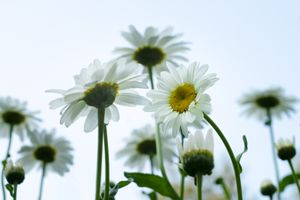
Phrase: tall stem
x=15 y=191
x=294 y=175
x=182 y=186
x=101 y=114
x=160 y=157
x=199 y=186
x=11 y=127
x=151 y=164
x=269 y=124
x=231 y=155
x=42 y=180
x=106 y=152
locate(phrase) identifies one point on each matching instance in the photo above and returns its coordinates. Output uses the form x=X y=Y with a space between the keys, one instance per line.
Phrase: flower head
x=267 y=188
x=100 y=86
x=47 y=149
x=179 y=99
x=258 y=102
x=141 y=147
x=196 y=153
x=14 y=173
x=14 y=113
x=286 y=149
x=153 y=48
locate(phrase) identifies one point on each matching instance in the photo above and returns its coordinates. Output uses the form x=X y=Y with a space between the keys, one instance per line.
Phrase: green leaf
x=286 y=181
x=152 y=196
x=153 y=182
x=239 y=157
x=10 y=188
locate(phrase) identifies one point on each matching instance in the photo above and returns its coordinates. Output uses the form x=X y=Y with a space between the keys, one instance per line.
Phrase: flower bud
x=267 y=188
x=286 y=149
x=14 y=174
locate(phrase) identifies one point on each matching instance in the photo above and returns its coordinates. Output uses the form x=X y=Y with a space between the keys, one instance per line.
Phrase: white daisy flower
x=258 y=102
x=100 y=85
x=47 y=150
x=13 y=113
x=196 y=153
x=141 y=147
x=179 y=99
x=153 y=48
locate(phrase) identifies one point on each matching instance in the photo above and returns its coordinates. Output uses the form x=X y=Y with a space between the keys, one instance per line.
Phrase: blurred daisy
x=258 y=102
x=14 y=114
x=141 y=148
x=179 y=99
x=153 y=48
x=101 y=85
x=196 y=153
x=47 y=151
x=286 y=148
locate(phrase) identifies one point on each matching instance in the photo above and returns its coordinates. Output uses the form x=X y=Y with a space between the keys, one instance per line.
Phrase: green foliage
x=10 y=188
x=286 y=181
x=154 y=182
x=239 y=157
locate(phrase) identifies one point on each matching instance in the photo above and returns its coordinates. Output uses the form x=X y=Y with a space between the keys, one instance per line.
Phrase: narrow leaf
x=10 y=188
x=286 y=181
x=153 y=182
x=239 y=157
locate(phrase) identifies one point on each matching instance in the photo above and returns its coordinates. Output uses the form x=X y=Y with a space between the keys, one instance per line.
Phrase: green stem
x=160 y=158
x=42 y=180
x=271 y=197
x=151 y=77
x=199 y=186
x=231 y=155
x=106 y=152
x=11 y=127
x=15 y=191
x=151 y=164
x=294 y=175
x=226 y=191
x=182 y=186
x=275 y=162
x=101 y=114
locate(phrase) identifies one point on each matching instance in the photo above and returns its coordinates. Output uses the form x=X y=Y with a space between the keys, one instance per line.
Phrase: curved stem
x=11 y=127
x=231 y=155
x=101 y=113
x=199 y=186
x=151 y=77
x=15 y=191
x=294 y=175
x=272 y=136
x=160 y=158
x=42 y=180
x=106 y=152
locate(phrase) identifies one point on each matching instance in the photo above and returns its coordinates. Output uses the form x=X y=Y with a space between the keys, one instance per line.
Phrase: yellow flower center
x=181 y=98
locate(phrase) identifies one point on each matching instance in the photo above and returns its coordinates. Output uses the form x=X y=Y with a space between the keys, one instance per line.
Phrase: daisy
x=141 y=147
x=100 y=85
x=267 y=188
x=47 y=150
x=14 y=117
x=196 y=153
x=179 y=99
x=153 y=48
x=257 y=103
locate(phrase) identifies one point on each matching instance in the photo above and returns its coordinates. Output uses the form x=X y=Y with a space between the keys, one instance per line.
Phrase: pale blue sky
x=249 y=44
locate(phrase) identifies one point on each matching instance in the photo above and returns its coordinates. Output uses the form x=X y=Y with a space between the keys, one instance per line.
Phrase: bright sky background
x=249 y=44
